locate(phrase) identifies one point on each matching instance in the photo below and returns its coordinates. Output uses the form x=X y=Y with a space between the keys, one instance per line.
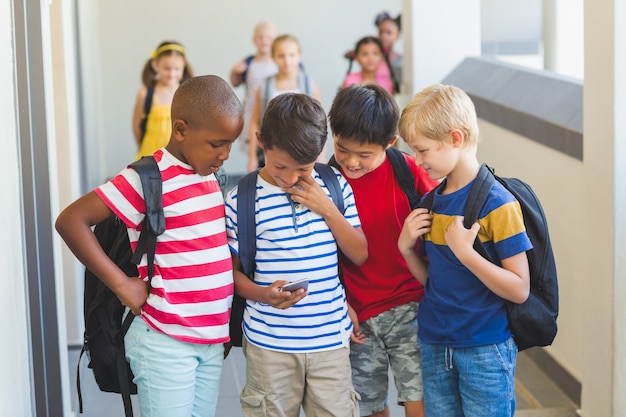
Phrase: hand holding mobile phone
x=296 y=285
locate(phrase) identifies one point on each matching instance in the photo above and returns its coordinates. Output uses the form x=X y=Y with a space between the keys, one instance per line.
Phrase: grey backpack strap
x=304 y=83
x=268 y=88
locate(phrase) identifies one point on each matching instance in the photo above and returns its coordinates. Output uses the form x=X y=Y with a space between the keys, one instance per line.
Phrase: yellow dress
x=158 y=129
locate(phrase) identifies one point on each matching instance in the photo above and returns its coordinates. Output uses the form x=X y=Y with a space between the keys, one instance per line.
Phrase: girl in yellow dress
x=166 y=69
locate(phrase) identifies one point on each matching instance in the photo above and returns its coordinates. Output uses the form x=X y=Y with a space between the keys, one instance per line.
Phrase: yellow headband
x=168 y=47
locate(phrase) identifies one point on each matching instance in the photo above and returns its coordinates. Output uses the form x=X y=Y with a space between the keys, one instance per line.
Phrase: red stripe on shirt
x=199 y=270
x=197 y=217
x=190 y=245
x=199 y=189
x=205 y=320
x=201 y=296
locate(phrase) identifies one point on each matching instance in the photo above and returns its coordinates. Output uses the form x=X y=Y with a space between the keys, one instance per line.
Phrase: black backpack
x=246 y=196
x=147 y=106
x=533 y=323
x=104 y=331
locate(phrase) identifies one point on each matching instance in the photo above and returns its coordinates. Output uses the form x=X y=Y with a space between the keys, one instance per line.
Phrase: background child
x=389 y=33
x=468 y=353
x=161 y=76
x=368 y=53
x=296 y=343
x=175 y=348
x=382 y=290
x=253 y=69
x=287 y=55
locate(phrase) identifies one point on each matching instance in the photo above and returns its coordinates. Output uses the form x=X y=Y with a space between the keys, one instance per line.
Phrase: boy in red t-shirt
x=382 y=291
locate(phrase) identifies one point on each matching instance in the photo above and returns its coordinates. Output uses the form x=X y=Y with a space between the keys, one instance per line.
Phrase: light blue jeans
x=470 y=382
x=174 y=378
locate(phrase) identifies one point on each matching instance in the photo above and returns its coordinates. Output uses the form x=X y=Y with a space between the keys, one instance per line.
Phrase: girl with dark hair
x=369 y=54
x=388 y=33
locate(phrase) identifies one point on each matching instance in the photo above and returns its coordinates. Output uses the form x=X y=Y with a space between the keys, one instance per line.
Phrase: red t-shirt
x=384 y=280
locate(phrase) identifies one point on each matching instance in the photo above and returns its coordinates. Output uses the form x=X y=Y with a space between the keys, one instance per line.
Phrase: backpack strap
x=476 y=200
x=267 y=90
x=154 y=221
x=304 y=82
x=332 y=183
x=222 y=179
x=246 y=224
x=147 y=106
x=404 y=176
x=122 y=367
x=247 y=60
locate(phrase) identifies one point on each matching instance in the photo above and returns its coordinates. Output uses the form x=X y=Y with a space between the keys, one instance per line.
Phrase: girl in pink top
x=370 y=57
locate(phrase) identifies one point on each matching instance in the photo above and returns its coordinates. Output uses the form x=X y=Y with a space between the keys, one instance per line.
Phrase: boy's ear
x=392 y=142
x=458 y=138
x=259 y=139
x=178 y=129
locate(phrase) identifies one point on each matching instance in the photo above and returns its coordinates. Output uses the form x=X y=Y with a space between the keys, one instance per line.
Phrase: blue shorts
x=476 y=381
x=174 y=378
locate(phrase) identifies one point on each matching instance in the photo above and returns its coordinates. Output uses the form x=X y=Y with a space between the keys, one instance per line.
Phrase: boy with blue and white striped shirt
x=296 y=343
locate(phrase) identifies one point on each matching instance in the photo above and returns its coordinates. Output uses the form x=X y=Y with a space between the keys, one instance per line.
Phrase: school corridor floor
x=537 y=395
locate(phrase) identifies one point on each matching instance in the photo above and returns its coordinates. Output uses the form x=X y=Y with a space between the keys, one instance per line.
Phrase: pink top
x=382 y=78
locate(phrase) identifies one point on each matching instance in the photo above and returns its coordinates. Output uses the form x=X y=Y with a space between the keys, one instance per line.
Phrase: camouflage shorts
x=391 y=342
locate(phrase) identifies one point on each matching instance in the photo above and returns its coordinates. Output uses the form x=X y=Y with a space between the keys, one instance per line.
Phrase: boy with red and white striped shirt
x=176 y=350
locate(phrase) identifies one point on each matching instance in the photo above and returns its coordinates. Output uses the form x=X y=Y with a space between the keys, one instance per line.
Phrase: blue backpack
x=246 y=197
x=533 y=323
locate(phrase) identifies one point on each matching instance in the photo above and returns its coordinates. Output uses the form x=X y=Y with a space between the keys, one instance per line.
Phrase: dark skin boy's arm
x=74 y=225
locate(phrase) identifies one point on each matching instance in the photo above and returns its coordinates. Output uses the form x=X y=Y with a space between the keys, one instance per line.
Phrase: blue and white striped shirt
x=294 y=242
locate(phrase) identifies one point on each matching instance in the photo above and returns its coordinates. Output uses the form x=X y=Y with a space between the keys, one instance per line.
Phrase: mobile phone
x=296 y=285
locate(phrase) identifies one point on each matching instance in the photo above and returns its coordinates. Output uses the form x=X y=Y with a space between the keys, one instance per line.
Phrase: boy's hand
x=283 y=299
x=134 y=295
x=308 y=192
x=416 y=224
x=459 y=239
x=356 y=336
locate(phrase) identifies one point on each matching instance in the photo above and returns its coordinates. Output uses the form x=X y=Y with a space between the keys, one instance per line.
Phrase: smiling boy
x=384 y=293
x=296 y=343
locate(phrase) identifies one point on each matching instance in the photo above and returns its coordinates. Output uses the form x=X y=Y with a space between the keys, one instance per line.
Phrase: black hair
x=296 y=124
x=372 y=39
x=382 y=16
x=202 y=100
x=364 y=113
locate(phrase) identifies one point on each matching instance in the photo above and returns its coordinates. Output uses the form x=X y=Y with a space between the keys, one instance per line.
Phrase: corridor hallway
x=537 y=394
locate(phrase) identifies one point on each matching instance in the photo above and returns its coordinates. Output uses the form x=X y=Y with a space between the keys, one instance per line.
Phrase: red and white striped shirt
x=192 y=287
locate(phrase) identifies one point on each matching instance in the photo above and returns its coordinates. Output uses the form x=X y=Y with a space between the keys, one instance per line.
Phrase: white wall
x=118 y=36
x=438 y=36
x=15 y=393
x=511 y=20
